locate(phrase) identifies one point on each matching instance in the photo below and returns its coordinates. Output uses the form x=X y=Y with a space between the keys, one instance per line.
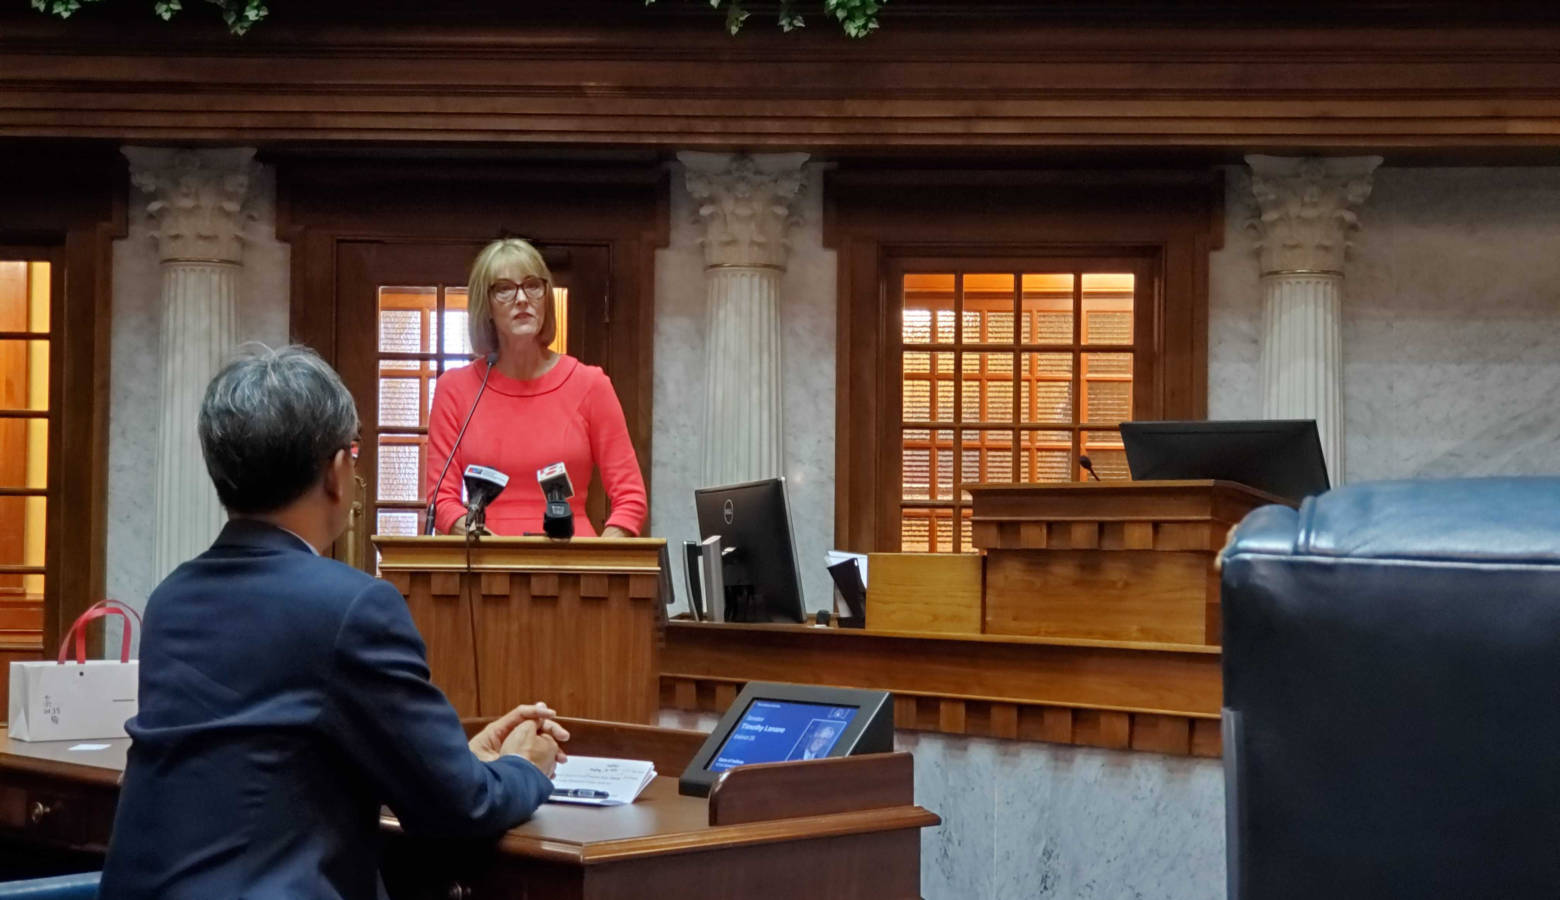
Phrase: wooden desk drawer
x=60 y=815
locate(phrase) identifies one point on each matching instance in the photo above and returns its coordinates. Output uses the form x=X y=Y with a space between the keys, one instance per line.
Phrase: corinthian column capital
x=1307 y=209
x=196 y=200
x=744 y=203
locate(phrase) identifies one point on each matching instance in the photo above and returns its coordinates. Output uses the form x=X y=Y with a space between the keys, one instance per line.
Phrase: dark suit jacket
x=284 y=698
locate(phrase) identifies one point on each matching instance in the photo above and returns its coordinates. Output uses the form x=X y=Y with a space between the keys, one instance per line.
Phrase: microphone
x=558 y=516
x=433 y=495
x=1088 y=465
x=483 y=485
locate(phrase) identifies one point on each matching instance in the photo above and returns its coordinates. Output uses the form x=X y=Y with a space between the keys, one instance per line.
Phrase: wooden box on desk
x=510 y=620
x=924 y=592
x=1126 y=560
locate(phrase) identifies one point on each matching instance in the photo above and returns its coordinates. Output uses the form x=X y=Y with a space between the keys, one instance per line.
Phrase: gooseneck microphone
x=1088 y=465
x=483 y=485
x=433 y=495
x=557 y=516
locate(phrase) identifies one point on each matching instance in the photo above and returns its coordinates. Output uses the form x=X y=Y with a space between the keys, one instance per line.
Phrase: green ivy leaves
x=240 y=15
x=858 y=18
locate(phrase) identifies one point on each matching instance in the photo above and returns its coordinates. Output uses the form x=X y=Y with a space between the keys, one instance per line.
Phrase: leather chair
x=63 y=887
x=1392 y=693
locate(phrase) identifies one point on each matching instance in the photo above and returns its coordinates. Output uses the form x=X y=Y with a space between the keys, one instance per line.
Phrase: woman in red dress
x=539 y=408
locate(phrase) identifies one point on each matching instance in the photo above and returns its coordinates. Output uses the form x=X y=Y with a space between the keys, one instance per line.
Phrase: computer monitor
x=1281 y=456
x=753 y=521
x=785 y=722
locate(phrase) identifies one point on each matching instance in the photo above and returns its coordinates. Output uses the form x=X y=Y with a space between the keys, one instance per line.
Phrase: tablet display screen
x=779 y=730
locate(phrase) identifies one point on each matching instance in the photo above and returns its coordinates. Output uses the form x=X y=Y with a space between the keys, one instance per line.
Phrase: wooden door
x=400 y=324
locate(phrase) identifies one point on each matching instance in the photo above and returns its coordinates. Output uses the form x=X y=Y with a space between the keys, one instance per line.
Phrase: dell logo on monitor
x=728 y=512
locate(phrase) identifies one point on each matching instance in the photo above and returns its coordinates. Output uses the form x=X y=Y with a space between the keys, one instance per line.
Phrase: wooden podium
x=1123 y=561
x=508 y=620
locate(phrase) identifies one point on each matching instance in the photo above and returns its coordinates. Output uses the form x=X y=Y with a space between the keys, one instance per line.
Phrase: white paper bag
x=72 y=702
x=80 y=699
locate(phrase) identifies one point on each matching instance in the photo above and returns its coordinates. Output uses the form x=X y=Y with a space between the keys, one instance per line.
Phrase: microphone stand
x=433 y=495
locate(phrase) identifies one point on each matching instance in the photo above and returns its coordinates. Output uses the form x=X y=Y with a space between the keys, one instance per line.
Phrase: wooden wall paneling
x=1155 y=678
x=1067 y=75
x=923 y=592
x=980 y=685
x=1130 y=595
x=1175 y=735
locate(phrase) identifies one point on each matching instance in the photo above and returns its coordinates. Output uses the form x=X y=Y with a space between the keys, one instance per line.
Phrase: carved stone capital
x=1307 y=209
x=744 y=203
x=196 y=200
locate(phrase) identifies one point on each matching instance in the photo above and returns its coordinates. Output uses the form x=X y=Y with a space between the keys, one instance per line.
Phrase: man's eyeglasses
x=506 y=291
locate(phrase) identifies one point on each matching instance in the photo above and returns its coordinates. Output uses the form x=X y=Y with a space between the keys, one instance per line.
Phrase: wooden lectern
x=1121 y=561
x=508 y=620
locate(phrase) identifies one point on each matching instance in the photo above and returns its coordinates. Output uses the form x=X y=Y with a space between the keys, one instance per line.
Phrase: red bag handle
x=99 y=610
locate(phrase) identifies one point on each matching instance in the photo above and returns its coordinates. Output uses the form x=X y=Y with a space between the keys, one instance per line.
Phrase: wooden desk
x=849 y=824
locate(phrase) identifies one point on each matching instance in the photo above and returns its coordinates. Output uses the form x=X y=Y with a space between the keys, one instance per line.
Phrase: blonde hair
x=479 y=309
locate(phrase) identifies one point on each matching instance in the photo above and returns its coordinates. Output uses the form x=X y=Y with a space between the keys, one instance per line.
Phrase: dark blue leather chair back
x=1392 y=693
x=63 y=887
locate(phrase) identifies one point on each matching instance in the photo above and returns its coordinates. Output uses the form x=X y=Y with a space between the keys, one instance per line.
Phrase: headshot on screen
x=817 y=740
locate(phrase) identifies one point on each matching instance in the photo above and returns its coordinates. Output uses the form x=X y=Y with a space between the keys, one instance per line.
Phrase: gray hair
x=269 y=424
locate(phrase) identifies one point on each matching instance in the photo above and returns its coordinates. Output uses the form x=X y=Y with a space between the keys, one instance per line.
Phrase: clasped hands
x=529 y=730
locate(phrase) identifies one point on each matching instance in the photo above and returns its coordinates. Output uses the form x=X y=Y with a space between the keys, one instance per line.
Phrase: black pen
x=580 y=793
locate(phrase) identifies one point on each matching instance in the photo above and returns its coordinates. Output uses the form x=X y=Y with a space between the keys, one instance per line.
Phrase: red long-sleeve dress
x=569 y=415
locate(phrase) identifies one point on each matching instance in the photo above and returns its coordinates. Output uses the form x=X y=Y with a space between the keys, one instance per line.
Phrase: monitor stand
x=744 y=605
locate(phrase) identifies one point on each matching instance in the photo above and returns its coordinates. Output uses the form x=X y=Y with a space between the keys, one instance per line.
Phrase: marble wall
x=1033 y=821
x=133 y=383
x=1451 y=323
x=807 y=300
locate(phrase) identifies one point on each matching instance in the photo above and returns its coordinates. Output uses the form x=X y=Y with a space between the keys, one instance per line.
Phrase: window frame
x=53 y=416
x=877 y=214
x=1145 y=312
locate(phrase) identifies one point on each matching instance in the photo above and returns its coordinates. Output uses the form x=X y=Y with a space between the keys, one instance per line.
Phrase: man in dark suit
x=285 y=696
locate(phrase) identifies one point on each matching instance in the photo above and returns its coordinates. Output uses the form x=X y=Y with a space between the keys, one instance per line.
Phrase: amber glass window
x=1008 y=375
x=25 y=338
x=422 y=334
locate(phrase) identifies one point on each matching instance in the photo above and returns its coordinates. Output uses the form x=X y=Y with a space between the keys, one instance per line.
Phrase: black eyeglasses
x=506 y=291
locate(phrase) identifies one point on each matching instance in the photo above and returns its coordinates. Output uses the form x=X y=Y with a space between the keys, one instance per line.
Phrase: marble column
x=196 y=201
x=745 y=208
x=1307 y=211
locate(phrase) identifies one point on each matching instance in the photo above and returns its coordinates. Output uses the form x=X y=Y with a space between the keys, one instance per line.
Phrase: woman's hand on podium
x=613 y=531
x=488 y=744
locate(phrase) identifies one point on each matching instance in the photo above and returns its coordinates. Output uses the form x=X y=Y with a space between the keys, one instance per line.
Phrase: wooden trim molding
x=1161 y=698
x=607 y=75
